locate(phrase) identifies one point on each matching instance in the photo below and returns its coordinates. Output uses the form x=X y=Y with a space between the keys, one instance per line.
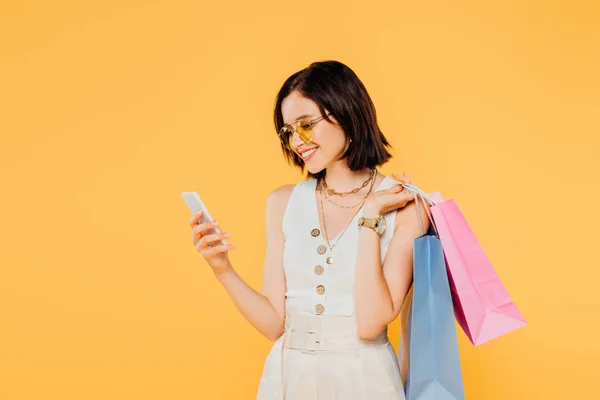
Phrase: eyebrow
x=300 y=117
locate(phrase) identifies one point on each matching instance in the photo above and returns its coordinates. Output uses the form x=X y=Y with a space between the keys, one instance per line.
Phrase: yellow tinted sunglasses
x=304 y=129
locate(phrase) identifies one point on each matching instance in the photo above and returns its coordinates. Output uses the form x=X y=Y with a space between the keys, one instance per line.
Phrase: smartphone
x=195 y=204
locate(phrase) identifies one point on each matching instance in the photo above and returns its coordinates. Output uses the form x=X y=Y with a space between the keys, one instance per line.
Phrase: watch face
x=380 y=225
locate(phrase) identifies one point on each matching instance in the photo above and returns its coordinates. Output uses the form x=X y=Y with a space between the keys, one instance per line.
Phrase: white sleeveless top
x=312 y=284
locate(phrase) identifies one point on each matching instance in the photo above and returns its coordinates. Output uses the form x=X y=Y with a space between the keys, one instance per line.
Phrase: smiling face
x=328 y=142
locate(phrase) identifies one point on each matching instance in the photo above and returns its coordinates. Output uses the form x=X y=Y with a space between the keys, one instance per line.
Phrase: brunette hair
x=335 y=87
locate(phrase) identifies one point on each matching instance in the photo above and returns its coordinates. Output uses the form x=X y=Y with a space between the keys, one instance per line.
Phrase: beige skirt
x=321 y=357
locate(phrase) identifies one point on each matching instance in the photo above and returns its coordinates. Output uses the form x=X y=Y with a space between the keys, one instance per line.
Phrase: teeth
x=307 y=153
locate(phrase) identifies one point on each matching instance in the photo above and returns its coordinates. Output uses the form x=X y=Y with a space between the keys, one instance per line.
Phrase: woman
x=338 y=261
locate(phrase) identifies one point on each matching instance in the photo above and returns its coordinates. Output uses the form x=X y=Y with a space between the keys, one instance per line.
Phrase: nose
x=296 y=140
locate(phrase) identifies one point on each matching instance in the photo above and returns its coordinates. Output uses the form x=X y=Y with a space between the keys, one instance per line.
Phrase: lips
x=310 y=153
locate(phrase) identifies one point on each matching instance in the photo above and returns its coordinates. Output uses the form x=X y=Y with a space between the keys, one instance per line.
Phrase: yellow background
x=109 y=110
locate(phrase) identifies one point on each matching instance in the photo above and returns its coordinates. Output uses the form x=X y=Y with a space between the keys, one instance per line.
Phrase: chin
x=314 y=169
x=317 y=164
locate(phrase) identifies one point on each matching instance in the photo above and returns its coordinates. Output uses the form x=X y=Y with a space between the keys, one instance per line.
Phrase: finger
x=402 y=177
x=403 y=199
x=397 y=199
x=214 y=250
x=204 y=227
x=395 y=189
x=195 y=218
x=405 y=195
x=199 y=231
x=200 y=246
x=409 y=194
x=213 y=237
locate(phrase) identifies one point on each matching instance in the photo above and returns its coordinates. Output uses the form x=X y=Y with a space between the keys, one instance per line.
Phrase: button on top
x=321 y=249
x=320 y=289
x=319 y=270
x=319 y=308
x=315 y=232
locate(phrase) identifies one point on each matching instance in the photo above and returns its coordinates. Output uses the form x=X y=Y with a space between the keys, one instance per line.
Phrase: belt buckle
x=314 y=350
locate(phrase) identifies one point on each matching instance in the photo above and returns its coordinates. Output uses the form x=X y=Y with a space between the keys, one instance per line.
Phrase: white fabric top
x=300 y=255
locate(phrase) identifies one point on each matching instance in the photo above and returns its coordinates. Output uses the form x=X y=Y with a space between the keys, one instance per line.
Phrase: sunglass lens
x=286 y=136
x=304 y=131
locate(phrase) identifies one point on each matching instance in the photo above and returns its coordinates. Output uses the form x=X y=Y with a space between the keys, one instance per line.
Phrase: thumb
x=395 y=189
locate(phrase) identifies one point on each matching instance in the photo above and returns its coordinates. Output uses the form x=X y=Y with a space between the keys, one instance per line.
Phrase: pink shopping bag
x=482 y=305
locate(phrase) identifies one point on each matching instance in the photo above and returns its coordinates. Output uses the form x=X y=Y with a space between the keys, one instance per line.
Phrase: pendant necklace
x=329 y=258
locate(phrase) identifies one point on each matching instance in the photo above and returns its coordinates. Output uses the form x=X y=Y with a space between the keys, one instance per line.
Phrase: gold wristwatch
x=377 y=223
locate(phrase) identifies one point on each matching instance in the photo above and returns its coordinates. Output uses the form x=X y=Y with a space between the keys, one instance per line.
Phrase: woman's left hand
x=383 y=201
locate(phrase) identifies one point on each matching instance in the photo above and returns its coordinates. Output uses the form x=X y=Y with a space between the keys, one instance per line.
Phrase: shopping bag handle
x=416 y=192
x=414 y=188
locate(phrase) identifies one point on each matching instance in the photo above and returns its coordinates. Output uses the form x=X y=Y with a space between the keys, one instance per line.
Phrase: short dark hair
x=333 y=85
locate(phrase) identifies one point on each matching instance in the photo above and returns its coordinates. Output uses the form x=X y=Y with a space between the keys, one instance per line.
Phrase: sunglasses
x=304 y=129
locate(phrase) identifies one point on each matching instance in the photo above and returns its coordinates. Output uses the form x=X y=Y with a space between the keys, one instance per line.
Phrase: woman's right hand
x=209 y=244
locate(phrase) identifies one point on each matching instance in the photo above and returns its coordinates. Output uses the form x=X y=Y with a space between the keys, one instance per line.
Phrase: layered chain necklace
x=333 y=192
x=371 y=178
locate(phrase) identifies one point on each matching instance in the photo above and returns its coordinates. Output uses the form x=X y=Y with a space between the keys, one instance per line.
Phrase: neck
x=342 y=179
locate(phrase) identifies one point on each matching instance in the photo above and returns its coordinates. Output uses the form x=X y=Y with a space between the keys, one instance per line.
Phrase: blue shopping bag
x=429 y=352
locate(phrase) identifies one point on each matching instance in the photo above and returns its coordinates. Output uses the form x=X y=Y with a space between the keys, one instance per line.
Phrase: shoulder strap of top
x=387 y=183
x=301 y=189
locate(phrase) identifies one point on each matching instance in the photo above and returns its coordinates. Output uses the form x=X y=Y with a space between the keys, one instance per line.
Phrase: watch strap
x=368 y=222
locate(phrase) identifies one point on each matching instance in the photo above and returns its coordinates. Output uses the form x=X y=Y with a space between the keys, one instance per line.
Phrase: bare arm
x=266 y=310
x=380 y=291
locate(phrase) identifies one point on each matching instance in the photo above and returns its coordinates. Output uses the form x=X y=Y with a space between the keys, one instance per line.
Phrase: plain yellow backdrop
x=109 y=110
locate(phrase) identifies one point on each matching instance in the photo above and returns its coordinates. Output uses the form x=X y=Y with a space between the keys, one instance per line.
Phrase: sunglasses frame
x=294 y=129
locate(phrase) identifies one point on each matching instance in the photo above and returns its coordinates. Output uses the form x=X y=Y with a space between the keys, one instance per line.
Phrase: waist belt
x=315 y=342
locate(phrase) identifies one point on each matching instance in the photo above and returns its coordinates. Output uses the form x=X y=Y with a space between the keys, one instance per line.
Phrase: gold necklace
x=329 y=259
x=332 y=192
x=339 y=205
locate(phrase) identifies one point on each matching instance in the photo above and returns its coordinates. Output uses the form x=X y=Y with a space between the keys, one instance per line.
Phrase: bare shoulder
x=281 y=193
x=278 y=198
x=276 y=204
